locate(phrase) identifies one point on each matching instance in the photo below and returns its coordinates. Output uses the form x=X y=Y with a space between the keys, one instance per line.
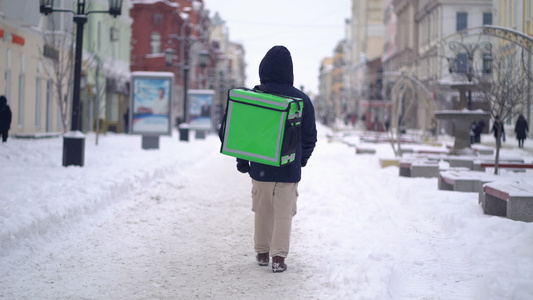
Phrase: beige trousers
x=274 y=204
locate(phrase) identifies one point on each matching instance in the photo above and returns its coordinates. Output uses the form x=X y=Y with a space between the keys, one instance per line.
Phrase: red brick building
x=177 y=27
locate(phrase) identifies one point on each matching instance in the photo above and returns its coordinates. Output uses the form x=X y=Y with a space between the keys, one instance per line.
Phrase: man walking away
x=275 y=189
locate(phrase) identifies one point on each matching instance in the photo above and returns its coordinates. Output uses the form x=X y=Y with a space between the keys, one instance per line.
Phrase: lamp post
x=74 y=141
x=187 y=42
x=203 y=56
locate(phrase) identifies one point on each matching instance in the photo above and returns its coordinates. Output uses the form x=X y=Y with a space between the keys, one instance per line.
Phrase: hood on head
x=276 y=66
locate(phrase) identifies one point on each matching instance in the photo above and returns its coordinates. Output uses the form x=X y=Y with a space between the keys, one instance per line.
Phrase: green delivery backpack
x=261 y=127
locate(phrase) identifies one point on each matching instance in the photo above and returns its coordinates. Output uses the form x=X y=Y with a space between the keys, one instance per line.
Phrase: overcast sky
x=310 y=29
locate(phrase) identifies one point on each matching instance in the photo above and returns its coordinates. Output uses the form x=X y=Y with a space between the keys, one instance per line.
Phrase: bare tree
x=58 y=51
x=100 y=75
x=507 y=87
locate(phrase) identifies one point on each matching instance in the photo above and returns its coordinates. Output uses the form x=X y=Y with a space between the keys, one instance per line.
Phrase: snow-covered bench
x=509 y=199
x=458 y=181
x=483 y=150
x=474 y=163
x=464 y=181
x=362 y=150
x=506 y=165
x=419 y=168
x=461 y=162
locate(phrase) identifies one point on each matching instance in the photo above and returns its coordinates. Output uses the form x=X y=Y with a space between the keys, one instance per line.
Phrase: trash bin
x=183 y=128
x=73 y=149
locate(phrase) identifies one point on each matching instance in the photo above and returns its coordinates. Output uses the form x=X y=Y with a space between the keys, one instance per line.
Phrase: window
x=114 y=34
x=99 y=36
x=7 y=76
x=60 y=21
x=21 y=100
x=158 y=19
x=155 y=43
x=462 y=21
x=49 y=105
x=487 y=18
x=112 y=108
x=38 y=89
x=60 y=116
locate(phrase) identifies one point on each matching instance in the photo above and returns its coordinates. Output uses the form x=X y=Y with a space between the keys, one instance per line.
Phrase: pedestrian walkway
x=176 y=223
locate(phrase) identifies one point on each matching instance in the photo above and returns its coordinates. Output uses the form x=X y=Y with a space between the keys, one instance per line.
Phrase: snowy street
x=176 y=223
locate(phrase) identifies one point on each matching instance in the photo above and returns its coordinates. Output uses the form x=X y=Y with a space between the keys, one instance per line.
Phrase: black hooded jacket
x=5 y=114
x=276 y=75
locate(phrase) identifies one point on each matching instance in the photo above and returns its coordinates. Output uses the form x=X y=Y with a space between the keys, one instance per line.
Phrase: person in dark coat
x=479 y=129
x=5 y=118
x=496 y=128
x=126 y=118
x=275 y=189
x=521 y=129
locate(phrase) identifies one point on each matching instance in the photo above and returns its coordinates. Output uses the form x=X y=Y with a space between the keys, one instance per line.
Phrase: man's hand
x=243 y=166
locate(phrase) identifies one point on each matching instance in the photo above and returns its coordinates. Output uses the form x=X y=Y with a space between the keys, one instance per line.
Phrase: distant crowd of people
x=521 y=130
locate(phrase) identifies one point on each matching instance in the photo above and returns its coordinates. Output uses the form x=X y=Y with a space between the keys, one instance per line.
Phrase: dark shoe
x=262 y=259
x=278 y=264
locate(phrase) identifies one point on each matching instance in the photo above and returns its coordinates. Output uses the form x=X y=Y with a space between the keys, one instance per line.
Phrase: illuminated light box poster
x=200 y=104
x=151 y=102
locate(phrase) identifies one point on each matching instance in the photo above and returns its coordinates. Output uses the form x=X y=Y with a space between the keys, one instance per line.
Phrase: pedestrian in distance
x=497 y=127
x=126 y=118
x=5 y=118
x=479 y=129
x=521 y=129
x=473 y=130
x=275 y=189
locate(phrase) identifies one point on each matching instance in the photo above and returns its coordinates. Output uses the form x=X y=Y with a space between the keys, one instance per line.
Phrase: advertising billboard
x=151 y=102
x=200 y=109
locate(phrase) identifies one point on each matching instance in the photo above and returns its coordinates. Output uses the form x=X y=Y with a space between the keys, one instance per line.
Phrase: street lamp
x=204 y=61
x=204 y=58
x=169 y=57
x=74 y=142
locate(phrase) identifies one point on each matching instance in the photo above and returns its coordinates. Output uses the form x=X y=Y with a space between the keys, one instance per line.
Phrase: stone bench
x=389 y=162
x=483 y=150
x=474 y=163
x=461 y=162
x=506 y=165
x=424 y=151
x=361 y=150
x=464 y=181
x=509 y=199
x=419 y=168
x=458 y=181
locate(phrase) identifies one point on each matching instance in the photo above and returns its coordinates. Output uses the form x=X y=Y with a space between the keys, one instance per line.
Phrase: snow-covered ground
x=175 y=223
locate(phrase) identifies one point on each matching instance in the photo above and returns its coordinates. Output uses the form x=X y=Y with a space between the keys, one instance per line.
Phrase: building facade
x=106 y=69
x=365 y=71
x=25 y=82
x=229 y=70
x=175 y=28
x=517 y=15
x=37 y=63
